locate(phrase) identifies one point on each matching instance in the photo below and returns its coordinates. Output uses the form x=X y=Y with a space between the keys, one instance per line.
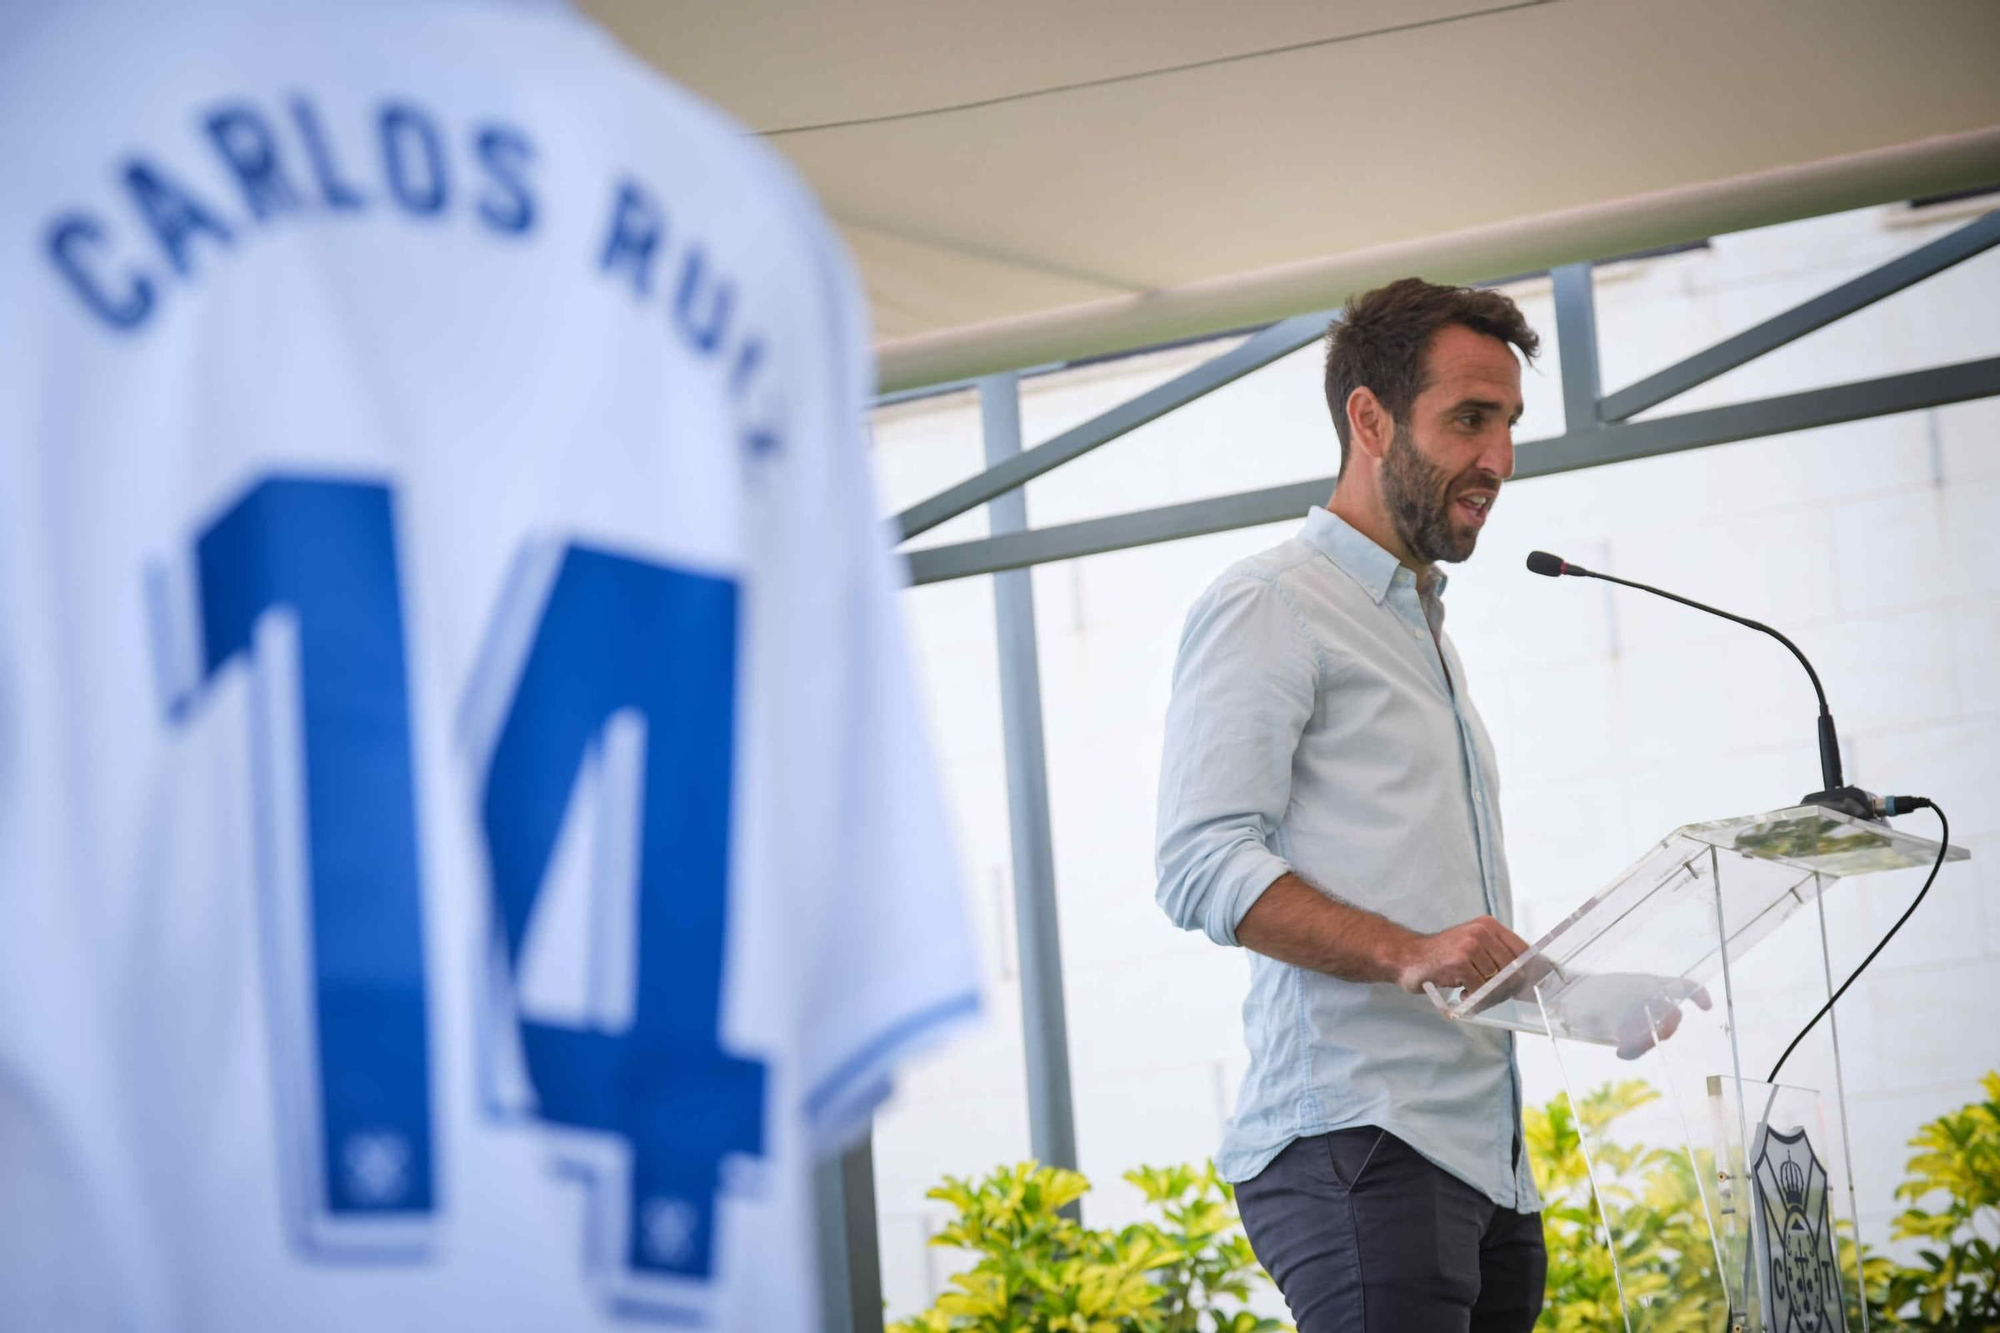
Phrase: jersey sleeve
x=895 y=970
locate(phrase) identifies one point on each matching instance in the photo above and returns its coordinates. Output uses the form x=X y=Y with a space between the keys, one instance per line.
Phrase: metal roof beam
x=1259 y=350
x=1892 y=277
x=1910 y=392
x=1095 y=536
x=1588 y=448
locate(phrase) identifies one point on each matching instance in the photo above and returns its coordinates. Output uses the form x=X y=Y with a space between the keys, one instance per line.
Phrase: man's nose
x=1498 y=455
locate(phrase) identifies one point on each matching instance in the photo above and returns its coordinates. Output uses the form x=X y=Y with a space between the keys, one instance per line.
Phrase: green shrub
x=1665 y=1256
x=1192 y=1271
x=1956 y=1285
x=1039 y=1271
x=1666 y=1250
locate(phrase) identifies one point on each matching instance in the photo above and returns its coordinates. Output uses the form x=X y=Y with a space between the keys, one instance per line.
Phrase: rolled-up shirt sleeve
x=1245 y=683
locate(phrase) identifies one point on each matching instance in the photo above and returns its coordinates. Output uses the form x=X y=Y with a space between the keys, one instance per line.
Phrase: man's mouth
x=1473 y=506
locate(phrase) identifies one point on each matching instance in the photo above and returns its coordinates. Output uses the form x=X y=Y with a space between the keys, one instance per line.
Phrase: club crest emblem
x=1797 y=1230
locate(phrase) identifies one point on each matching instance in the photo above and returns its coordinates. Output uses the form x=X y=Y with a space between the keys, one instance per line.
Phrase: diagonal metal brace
x=1259 y=350
x=1870 y=287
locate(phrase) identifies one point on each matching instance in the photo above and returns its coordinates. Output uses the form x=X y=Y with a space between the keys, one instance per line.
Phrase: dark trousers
x=1363 y=1234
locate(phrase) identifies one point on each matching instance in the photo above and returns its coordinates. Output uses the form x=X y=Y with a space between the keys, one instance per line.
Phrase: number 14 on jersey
x=297 y=584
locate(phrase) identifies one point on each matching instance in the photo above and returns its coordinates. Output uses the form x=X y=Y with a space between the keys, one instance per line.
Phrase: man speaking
x=1329 y=799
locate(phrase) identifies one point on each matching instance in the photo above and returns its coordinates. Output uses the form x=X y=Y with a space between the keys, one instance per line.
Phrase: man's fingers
x=1493 y=931
x=1478 y=950
x=1646 y=1027
x=1496 y=955
x=1641 y=1029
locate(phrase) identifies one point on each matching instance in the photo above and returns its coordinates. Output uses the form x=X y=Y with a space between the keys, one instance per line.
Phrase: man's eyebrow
x=1484 y=405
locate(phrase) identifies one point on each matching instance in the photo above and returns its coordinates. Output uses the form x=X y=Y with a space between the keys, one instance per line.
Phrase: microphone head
x=1541 y=562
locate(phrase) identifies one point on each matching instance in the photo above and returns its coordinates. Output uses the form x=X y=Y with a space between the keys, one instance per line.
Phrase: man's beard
x=1420 y=497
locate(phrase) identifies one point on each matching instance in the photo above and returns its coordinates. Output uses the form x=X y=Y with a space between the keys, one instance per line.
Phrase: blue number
x=617 y=638
x=298 y=580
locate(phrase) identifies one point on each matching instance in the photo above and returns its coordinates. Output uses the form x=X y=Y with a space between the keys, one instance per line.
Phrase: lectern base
x=1778 y=1206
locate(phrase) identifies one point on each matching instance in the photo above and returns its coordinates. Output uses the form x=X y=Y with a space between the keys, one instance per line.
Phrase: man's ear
x=1369 y=425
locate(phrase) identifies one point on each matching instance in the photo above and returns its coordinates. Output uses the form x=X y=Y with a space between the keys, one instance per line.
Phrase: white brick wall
x=1876 y=545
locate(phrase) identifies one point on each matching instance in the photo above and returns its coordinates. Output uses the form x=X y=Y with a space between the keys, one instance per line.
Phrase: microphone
x=1837 y=795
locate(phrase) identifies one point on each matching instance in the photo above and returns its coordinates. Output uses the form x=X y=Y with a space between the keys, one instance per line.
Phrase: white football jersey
x=467 y=841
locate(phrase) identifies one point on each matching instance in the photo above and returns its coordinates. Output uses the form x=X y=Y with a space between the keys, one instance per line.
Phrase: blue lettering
x=247 y=146
x=758 y=440
x=334 y=192
x=405 y=129
x=701 y=306
x=748 y=360
x=68 y=235
x=174 y=215
x=636 y=225
x=505 y=153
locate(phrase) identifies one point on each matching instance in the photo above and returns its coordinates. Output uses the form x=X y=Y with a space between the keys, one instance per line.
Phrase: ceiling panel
x=1013 y=165
x=779 y=63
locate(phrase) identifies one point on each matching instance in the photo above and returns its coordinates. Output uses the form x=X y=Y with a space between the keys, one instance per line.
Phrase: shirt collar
x=1359 y=557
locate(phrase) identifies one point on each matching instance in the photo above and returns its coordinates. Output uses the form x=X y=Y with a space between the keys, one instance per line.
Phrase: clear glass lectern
x=1683 y=973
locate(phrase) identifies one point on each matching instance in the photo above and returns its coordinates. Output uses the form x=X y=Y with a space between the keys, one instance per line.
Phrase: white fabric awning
x=1036 y=180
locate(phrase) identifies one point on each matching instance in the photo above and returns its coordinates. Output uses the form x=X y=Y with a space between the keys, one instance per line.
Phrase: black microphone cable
x=1894 y=805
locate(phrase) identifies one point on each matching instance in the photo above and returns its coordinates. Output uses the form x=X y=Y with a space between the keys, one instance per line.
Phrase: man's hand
x=1628 y=1010
x=1653 y=1020
x=1465 y=955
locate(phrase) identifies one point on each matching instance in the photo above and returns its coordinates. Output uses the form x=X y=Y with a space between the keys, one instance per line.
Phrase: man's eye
x=1469 y=418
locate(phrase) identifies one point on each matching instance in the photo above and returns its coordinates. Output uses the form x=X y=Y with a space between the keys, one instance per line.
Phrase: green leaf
x=1187 y=1267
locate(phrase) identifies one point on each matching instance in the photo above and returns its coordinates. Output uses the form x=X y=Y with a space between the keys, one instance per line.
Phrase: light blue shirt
x=1321 y=724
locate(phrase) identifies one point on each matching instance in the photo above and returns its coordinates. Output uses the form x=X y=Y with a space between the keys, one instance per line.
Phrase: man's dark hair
x=1380 y=340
